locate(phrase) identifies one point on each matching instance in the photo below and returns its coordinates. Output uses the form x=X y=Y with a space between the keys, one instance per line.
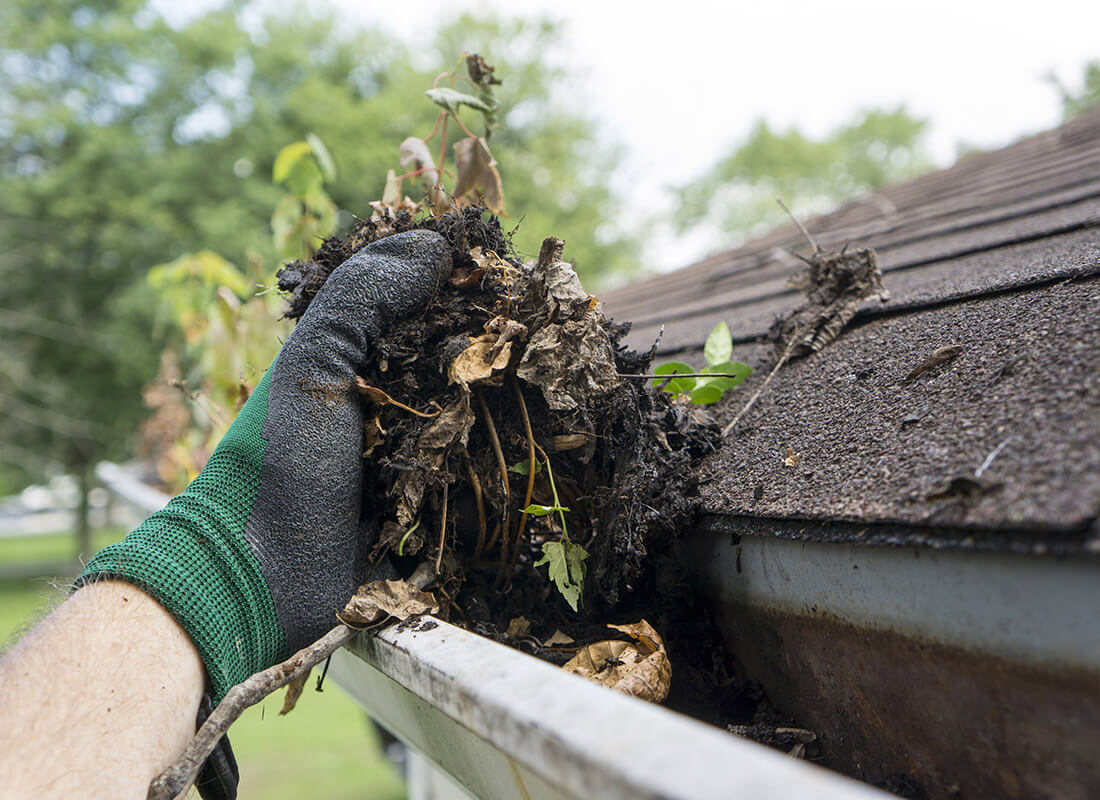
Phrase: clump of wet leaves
x=501 y=442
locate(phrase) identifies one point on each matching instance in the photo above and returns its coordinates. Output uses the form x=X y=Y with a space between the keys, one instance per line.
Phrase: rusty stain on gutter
x=973 y=674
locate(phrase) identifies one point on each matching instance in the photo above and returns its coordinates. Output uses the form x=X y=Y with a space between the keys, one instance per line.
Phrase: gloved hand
x=271 y=539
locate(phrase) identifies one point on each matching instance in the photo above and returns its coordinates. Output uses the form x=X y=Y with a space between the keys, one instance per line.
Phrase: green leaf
x=304 y=177
x=566 y=567
x=719 y=346
x=287 y=158
x=524 y=468
x=677 y=385
x=535 y=510
x=324 y=158
x=737 y=369
x=451 y=100
x=706 y=394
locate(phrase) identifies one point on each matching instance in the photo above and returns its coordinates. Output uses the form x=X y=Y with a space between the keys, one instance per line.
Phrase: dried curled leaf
x=640 y=668
x=519 y=627
x=571 y=362
x=450 y=431
x=558 y=638
x=482 y=362
x=377 y=601
x=373 y=435
x=477 y=174
x=294 y=690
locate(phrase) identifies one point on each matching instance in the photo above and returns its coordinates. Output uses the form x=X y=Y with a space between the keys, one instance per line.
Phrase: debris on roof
x=967 y=402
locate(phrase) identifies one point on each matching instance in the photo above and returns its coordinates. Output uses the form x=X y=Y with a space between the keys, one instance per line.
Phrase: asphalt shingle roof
x=999 y=255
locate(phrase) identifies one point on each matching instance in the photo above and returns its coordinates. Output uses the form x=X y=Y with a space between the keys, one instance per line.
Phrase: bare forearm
x=98 y=698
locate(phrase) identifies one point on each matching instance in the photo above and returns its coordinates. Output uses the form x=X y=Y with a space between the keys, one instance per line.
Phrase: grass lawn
x=325 y=748
x=56 y=547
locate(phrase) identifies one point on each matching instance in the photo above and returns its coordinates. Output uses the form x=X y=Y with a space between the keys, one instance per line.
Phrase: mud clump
x=514 y=364
x=506 y=349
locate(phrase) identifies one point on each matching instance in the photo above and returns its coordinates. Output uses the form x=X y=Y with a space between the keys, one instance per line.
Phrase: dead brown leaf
x=477 y=174
x=640 y=668
x=558 y=638
x=943 y=355
x=519 y=627
x=571 y=362
x=377 y=601
x=568 y=441
x=448 y=431
x=792 y=458
x=294 y=690
x=373 y=435
x=482 y=361
x=466 y=278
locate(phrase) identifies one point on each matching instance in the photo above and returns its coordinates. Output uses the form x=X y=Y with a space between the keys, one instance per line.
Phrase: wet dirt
x=511 y=363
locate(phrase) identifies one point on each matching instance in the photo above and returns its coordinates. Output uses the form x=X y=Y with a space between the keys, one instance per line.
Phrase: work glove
x=272 y=538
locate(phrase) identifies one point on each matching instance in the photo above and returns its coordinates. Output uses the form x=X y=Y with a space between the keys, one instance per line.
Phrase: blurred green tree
x=813 y=176
x=126 y=142
x=1074 y=103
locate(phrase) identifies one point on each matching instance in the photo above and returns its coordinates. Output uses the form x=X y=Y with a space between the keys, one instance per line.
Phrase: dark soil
x=623 y=456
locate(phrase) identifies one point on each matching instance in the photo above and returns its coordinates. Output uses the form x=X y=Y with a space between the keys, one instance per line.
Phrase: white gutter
x=125 y=481
x=503 y=724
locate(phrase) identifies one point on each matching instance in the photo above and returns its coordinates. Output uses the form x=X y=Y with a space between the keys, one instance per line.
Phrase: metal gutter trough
x=486 y=721
x=971 y=673
x=502 y=724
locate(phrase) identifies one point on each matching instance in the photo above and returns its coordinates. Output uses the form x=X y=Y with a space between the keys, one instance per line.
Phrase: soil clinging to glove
x=450 y=393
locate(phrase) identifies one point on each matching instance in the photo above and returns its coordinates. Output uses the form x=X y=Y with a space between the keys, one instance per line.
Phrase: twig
x=502 y=465
x=801 y=227
x=180 y=775
x=442 y=529
x=493 y=536
x=208 y=407
x=376 y=395
x=989 y=458
x=752 y=400
x=475 y=482
x=673 y=375
x=530 y=474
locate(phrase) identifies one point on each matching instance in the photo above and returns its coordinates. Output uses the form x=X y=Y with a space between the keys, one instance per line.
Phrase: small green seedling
x=564 y=558
x=704 y=391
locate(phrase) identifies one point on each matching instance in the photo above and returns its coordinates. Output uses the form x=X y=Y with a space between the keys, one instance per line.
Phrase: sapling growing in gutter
x=706 y=386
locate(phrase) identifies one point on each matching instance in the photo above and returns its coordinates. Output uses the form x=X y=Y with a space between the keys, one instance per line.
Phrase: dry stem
x=442 y=529
x=174 y=780
x=672 y=375
x=180 y=775
x=475 y=482
x=752 y=400
x=502 y=465
x=530 y=472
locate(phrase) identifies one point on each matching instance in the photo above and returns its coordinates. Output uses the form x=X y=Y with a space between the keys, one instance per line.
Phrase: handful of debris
x=501 y=438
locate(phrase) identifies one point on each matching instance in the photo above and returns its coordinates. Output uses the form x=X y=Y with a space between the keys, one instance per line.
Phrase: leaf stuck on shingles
x=640 y=668
x=377 y=601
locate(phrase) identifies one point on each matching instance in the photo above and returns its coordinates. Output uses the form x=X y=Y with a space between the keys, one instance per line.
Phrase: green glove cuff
x=192 y=556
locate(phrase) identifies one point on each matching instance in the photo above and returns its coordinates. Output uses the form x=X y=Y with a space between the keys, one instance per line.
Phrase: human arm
x=98 y=698
x=256 y=556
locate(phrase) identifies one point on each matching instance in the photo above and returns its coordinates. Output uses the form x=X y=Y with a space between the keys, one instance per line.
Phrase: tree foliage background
x=813 y=176
x=126 y=142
